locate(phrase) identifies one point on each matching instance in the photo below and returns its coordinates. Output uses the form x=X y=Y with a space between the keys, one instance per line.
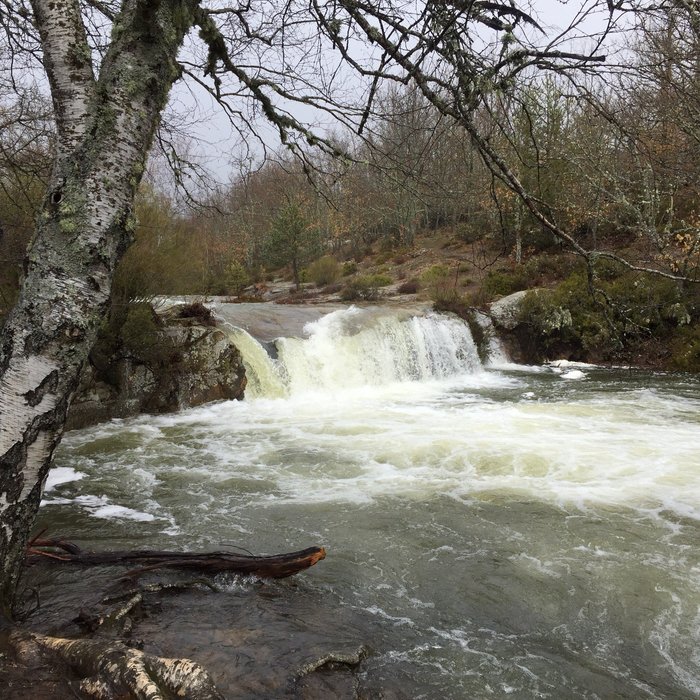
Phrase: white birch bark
x=105 y=128
x=68 y=64
x=109 y=669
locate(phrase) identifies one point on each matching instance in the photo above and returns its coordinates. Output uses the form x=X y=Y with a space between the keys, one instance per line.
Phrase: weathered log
x=109 y=669
x=269 y=566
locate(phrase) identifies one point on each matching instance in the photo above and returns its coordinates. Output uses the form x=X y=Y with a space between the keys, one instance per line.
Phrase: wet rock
x=515 y=337
x=333 y=659
x=198 y=364
x=339 y=684
x=331 y=675
x=206 y=367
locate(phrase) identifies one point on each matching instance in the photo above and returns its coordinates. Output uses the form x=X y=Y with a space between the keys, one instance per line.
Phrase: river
x=492 y=531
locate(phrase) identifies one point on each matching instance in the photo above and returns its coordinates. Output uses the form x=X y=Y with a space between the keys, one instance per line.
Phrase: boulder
x=198 y=364
x=207 y=367
x=505 y=312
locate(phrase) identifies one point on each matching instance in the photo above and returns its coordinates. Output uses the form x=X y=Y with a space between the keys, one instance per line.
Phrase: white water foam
x=418 y=439
x=573 y=374
x=101 y=507
x=370 y=405
x=359 y=348
x=342 y=350
x=61 y=475
x=262 y=372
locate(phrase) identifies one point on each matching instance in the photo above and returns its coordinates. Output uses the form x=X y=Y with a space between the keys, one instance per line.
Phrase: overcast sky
x=216 y=146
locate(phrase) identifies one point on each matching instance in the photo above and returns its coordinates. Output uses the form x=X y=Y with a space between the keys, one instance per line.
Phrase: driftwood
x=271 y=566
x=108 y=669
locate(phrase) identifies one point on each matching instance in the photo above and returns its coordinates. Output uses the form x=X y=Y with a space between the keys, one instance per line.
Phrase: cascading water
x=359 y=347
x=492 y=533
x=262 y=373
x=496 y=355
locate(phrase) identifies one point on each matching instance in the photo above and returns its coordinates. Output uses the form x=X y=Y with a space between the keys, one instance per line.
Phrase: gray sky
x=214 y=143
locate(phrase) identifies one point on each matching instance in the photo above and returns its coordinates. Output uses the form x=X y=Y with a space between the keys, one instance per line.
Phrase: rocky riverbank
x=173 y=362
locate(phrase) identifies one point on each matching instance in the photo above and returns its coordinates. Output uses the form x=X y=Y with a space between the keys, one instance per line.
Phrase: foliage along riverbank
x=614 y=315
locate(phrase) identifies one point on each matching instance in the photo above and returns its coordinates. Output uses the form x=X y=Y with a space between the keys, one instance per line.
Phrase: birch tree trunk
x=105 y=128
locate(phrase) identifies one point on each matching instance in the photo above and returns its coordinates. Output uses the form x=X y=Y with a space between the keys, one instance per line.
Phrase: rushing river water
x=491 y=533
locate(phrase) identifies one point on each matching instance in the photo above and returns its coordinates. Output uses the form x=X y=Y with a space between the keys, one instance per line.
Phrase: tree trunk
x=105 y=129
x=108 y=669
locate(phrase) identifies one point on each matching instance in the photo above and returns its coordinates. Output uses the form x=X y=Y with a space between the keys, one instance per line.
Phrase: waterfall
x=357 y=347
x=496 y=354
x=261 y=371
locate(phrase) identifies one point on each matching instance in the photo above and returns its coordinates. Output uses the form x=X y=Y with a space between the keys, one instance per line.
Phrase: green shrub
x=608 y=270
x=440 y=282
x=141 y=335
x=364 y=287
x=503 y=283
x=541 y=239
x=237 y=278
x=386 y=245
x=646 y=302
x=544 y=268
x=476 y=298
x=685 y=349
x=625 y=310
x=553 y=329
x=435 y=274
x=380 y=280
x=467 y=233
x=461 y=307
x=349 y=268
x=359 y=290
x=324 y=271
x=383 y=257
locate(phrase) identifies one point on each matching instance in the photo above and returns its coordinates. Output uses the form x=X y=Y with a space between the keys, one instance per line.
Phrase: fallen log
x=108 y=669
x=268 y=566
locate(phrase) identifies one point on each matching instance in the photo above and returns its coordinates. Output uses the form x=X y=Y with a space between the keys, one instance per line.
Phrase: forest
x=609 y=157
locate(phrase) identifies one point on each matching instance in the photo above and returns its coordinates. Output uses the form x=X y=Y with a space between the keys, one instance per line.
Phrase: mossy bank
x=155 y=363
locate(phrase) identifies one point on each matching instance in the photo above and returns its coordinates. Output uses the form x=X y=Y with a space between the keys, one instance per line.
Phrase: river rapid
x=492 y=531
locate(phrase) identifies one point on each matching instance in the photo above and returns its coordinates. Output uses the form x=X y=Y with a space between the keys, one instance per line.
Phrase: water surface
x=492 y=533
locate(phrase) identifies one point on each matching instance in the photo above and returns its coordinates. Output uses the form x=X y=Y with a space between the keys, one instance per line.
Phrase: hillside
x=629 y=318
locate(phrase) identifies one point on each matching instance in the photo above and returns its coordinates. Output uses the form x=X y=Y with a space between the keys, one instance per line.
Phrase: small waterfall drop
x=261 y=372
x=357 y=347
x=496 y=354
